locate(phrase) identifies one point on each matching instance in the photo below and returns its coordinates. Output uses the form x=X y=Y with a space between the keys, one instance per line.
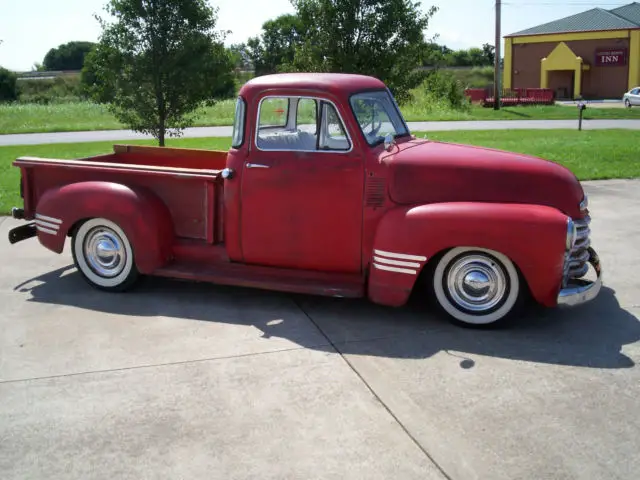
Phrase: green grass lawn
x=422 y=112
x=80 y=116
x=592 y=154
x=83 y=116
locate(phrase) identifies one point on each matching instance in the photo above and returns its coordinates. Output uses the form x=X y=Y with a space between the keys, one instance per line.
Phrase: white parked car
x=632 y=97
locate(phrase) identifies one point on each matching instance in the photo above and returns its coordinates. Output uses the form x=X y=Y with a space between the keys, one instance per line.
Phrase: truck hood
x=429 y=172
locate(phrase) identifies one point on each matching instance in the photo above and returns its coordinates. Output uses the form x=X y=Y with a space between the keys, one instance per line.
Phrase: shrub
x=443 y=86
x=8 y=86
x=476 y=77
x=44 y=91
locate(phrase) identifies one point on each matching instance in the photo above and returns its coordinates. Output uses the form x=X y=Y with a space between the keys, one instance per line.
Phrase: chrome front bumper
x=578 y=290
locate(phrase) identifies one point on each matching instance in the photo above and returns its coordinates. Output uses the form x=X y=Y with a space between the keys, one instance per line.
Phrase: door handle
x=257 y=165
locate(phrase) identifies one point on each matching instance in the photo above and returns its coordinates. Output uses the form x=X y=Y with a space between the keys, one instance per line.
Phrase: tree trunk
x=161 y=131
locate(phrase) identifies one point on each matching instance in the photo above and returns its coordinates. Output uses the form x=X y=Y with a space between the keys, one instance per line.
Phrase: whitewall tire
x=103 y=255
x=476 y=286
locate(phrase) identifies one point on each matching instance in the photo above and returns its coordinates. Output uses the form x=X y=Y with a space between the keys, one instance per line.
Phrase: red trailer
x=512 y=97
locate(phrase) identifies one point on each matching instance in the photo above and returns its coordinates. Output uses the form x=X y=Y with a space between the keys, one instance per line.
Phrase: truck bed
x=153 y=158
x=186 y=180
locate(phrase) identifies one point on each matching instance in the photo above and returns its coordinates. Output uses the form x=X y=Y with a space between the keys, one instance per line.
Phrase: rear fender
x=407 y=238
x=144 y=218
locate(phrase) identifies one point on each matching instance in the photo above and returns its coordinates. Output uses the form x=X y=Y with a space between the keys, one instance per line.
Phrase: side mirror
x=389 y=141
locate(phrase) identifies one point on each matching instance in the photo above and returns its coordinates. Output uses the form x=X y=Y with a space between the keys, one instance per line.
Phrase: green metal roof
x=629 y=12
x=595 y=19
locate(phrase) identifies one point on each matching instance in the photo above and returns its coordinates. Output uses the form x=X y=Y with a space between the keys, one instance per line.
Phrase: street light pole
x=496 y=61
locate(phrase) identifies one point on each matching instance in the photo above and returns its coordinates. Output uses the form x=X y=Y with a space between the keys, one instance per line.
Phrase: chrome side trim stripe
x=396 y=262
x=401 y=256
x=52 y=226
x=46 y=230
x=394 y=269
x=48 y=219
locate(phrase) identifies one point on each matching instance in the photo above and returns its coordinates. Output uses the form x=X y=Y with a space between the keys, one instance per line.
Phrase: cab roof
x=336 y=83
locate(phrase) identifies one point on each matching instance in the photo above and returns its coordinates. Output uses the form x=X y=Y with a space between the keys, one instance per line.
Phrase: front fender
x=144 y=218
x=532 y=236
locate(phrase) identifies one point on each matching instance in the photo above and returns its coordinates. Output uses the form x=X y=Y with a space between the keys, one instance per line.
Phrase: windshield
x=377 y=114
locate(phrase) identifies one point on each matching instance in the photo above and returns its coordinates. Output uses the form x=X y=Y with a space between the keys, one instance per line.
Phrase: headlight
x=584 y=204
x=572 y=232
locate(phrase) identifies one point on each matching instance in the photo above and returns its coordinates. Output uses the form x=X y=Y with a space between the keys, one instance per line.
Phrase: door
x=561 y=81
x=302 y=189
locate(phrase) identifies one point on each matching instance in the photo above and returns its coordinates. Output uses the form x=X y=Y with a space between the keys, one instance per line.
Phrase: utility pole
x=496 y=61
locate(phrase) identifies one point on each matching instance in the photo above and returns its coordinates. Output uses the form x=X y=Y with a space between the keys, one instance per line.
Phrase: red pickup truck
x=323 y=191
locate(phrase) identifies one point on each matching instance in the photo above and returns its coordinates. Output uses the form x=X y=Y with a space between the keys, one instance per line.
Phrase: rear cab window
x=237 y=137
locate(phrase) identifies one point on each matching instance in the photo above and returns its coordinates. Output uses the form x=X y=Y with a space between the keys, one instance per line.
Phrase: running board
x=269 y=278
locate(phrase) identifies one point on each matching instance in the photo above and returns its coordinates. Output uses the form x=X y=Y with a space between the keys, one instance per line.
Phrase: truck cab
x=325 y=191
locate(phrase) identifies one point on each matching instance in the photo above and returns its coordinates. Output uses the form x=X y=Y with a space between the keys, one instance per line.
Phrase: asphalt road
x=183 y=380
x=198 y=132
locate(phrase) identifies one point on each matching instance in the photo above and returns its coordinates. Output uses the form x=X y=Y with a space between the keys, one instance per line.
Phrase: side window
x=237 y=138
x=332 y=133
x=276 y=126
x=307 y=116
x=299 y=124
x=274 y=113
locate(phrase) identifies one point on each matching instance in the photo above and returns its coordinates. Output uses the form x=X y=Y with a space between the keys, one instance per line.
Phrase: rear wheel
x=477 y=287
x=103 y=255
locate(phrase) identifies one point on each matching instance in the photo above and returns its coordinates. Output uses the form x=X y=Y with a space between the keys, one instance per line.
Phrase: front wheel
x=103 y=255
x=477 y=287
x=627 y=103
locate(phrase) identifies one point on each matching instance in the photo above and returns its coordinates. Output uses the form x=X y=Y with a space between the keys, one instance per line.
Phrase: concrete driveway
x=181 y=380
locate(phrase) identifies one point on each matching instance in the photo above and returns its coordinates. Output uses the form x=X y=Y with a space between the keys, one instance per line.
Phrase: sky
x=29 y=28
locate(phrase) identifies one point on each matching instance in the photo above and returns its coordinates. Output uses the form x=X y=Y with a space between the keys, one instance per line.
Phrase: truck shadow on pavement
x=591 y=336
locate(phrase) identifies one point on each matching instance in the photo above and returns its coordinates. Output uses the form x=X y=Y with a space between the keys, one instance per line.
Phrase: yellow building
x=593 y=54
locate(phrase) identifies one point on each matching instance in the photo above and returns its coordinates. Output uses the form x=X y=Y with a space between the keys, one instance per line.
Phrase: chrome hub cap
x=476 y=283
x=104 y=251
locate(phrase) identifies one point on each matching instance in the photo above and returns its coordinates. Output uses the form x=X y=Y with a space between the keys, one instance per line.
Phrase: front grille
x=576 y=264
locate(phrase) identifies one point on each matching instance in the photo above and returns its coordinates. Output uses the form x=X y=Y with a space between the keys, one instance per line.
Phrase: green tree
x=382 y=38
x=275 y=48
x=459 y=58
x=472 y=57
x=489 y=52
x=436 y=55
x=8 y=85
x=477 y=57
x=92 y=85
x=240 y=56
x=68 y=56
x=158 y=62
